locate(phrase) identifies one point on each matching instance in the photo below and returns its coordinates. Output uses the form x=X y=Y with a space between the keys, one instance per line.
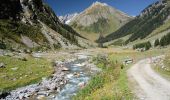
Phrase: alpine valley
x=96 y=52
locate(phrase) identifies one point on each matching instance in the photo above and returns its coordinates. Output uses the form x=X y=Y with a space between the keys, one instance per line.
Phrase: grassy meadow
x=112 y=82
x=20 y=73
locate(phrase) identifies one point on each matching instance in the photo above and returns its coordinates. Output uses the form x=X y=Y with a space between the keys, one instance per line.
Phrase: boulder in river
x=82 y=84
x=65 y=69
x=76 y=74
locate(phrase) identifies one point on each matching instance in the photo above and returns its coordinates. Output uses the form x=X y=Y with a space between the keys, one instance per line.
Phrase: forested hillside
x=143 y=25
x=29 y=23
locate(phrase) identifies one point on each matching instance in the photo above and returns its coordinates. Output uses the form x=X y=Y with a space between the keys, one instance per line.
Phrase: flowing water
x=78 y=76
x=80 y=72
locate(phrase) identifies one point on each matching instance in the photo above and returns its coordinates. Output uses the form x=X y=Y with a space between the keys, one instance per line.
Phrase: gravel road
x=146 y=83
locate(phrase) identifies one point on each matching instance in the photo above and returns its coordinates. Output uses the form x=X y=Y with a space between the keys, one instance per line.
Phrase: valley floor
x=110 y=84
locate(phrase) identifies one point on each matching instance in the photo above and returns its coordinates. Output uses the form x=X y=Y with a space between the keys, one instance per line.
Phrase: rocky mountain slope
x=99 y=18
x=33 y=24
x=152 y=23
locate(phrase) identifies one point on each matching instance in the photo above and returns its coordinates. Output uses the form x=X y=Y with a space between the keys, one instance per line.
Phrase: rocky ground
x=44 y=88
x=48 y=86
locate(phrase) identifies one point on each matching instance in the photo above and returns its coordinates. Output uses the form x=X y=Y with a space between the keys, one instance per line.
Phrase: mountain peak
x=99 y=17
x=99 y=3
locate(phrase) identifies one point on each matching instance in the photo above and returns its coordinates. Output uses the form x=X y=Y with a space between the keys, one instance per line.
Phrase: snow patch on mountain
x=99 y=3
x=67 y=18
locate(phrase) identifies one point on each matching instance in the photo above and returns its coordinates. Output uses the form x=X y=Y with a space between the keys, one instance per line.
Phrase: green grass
x=110 y=84
x=28 y=72
x=13 y=30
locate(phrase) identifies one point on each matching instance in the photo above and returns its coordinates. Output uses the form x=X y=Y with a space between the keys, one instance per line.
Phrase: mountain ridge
x=99 y=18
x=25 y=19
x=66 y=19
x=150 y=19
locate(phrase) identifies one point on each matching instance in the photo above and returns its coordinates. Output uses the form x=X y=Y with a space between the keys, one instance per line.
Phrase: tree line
x=164 y=41
x=144 y=45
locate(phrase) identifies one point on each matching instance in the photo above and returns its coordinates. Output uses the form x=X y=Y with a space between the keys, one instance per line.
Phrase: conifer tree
x=156 y=43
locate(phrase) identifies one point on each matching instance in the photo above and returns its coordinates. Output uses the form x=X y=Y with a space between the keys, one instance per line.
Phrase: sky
x=131 y=7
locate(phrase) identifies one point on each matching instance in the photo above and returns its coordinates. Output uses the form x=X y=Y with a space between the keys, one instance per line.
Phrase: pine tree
x=156 y=43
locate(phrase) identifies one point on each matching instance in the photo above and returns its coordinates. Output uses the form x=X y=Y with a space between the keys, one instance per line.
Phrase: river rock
x=76 y=74
x=61 y=83
x=52 y=86
x=21 y=96
x=65 y=69
x=82 y=84
x=37 y=55
x=44 y=93
x=58 y=63
x=27 y=95
x=40 y=97
x=9 y=54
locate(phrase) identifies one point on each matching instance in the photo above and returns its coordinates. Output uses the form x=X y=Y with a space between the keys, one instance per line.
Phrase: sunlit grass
x=26 y=72
x=112 y=83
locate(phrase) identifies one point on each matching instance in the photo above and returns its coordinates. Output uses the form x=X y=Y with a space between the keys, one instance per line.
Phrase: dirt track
x=147 y=84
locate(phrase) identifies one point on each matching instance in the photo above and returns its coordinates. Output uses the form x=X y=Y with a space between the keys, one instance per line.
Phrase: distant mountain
x=152 y=23
x=33 y=24
x=99 y=18
x=67 y=18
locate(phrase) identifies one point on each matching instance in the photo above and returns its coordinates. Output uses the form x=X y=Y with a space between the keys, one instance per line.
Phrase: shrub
x=2 y=46
x=145 y=45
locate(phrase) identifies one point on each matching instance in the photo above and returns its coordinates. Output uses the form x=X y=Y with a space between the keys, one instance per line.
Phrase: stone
x=52 y=86
x=26 y=75
x=27 y=51
x=76 y=74
x=61 y=83
x=44 y=93
x=82 y=84
x=40 y=97
x=58 y=63
x=58 y=89
x=22 y=58
x=37 y=55
x=65 y=69
x=27 y=95
x=15 y=68
x=9 y=54
x=2 y=65
x=14 y=79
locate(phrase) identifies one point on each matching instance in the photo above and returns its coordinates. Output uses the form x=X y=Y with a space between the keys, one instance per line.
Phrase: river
x=78 y=77
x=63 y=85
